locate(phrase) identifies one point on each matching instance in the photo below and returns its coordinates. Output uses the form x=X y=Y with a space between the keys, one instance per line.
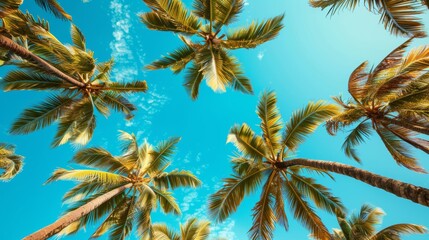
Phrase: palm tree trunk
x=29 y=56
x=404 y=190
x=405 y=124
x=75 y=215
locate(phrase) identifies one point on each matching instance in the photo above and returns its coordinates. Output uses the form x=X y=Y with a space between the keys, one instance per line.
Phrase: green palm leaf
x=97 y=157
x=395 y=231
x=355 y=137
x=129 y=87
x=163 y=151
x=270 y=121
x=176 y=60
x=247 y=141
x=167 y=201
x=78 y=38
x=54 y=7
x=193 y=77
x=26 y=80
x=175 y=179
x=162 y=232
x=87 y=176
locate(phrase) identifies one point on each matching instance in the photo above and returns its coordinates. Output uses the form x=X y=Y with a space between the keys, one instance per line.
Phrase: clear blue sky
x=310 y=60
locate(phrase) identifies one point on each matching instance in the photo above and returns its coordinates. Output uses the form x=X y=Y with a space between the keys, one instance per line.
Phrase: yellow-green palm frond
x=214 y=69
x=236 y=76
x=161 y=154
x=393 y=58
x=118 y=103
x=10 y=163
x=241 y=164
x=264 y=217
x=356 y=137
x=193 y=79
x=78 y=38
x=97 y=157
x=104 y=69
x=206 y=9
x=219 y=12
x=399 y=150
x=176 y=61
x=163 y=232
x=29 y=80
x=305 y=121
x=344 y=118
x=247 y=142
x=363 y=224
x=304 y=212
x=279 y=206
x=255 y=34
x=166 y=201
x=195 y=229
x=175 y=179
x=228 y=198
x=88 y=176
x=42 y=115
x=123 y=220
x=8 y=7
x=127 y=87
x=395 y=231
x=319 y=194
x=54 y=7
x=129 y=143
x=81 y=191
x=172 y=12
x=271 y=124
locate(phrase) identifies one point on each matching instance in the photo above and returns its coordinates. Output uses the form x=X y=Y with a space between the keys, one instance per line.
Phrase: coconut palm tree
x=208 y=50
x=392 y=99
x=191 y=230
x=362 y=226
x=80 y=86
x=400 y=17
x=268 y=159
x=9 y=162
x=121 y=189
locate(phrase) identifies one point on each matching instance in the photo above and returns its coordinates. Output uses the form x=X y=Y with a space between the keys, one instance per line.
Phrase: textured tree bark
x=75 y=215
x=404 y=190
x=27 y=55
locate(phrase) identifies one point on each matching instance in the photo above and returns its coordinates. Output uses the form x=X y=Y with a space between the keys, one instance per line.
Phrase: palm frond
x=163 y=232
x=356 y=137
x=193 y=78
x=118 y=103
x=214 y=69
x=226 y=200
x=97 y=157
x=247 y=142
x=357 y=82
x=161 y=154
x=123 y=223
x=55 y=8
x=11 y=166
x=270 y=121
x=255 y=34
x=87 y=176
x=128 y=87
x=175 y=179
x=41 y=115
x=395 y=231
x=27 y=80
x=305 y=121
x=167 y=201
x=304 y=212
x=176 y=61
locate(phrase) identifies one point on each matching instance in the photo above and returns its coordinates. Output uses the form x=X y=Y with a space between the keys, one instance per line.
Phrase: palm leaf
x=176 y=60
x=11 y=165
x=357 y=82
x=193 y=77
x=163 y=151
x=41 y=115
x=167 y=201
x=99 y=158
x=162 y=232
x=118 y=103
x=305 y=121
x=270 y=121
x=247 y=142
x=175 y=179
x=87 y=176
x=228 y=198
x=54 y=7
x=255 y=34
x=27 y=80
x=78 y=38
x=214 y=69
x=395 y=231
x=355 y=137
x=129 y=87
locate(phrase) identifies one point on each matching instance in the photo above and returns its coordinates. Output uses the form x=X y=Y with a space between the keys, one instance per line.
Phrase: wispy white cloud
x=261 y=55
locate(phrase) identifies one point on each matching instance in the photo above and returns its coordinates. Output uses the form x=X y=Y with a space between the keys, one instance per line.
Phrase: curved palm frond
x=10 y=163
x=247 y=142
x=54 y=7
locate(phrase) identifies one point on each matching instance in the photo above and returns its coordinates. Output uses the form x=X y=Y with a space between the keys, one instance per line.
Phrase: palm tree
x=9 y=7
x=80 y=85
x=208 y=52
x=191 y=230
x=400 y=17
x=9 y=162
x=267 y=159
x=392 y=99
x=125 y=189
x=362 y=226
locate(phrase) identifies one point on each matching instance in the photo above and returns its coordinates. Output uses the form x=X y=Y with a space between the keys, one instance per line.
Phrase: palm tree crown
x=400 y=17
x=80 y=85
x=191 y=230
x=142 y=169
x=9 y=162
x=257 y=163
x=392 y=99
x=362 y=226
x=208 y=52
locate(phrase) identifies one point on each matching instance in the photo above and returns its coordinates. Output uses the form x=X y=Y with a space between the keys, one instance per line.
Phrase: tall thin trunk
x=405 y=124
x=75 y=215
x=29 y=56
x=404 y=190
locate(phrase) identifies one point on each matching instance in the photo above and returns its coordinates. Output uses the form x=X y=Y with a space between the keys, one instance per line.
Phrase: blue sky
x=310 y=60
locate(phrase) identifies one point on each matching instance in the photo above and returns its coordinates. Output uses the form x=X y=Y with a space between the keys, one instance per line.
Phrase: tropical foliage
x=362 y=226
x=256 y=165
x=80 y=86
x=206 y=43
x=393 y=100
x=10 y=163
x=142 y=168
x=11 y=6
x=400 y=17
x=191 y=230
